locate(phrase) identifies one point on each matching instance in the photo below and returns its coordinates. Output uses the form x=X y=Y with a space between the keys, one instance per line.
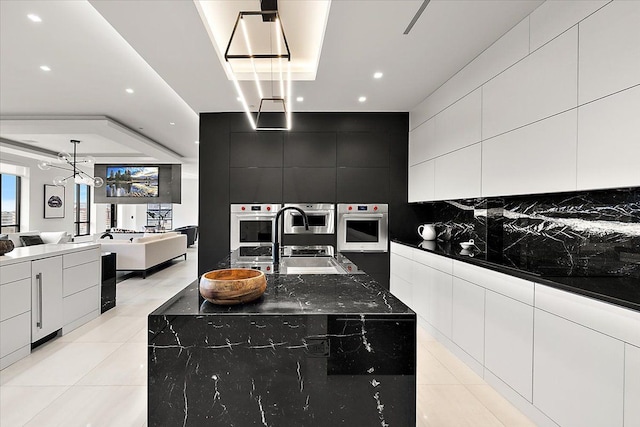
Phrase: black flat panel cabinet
x=258 y=149
x=310 y=149
x=309 y=185
x=255 y=185
x=363 y=149
x=108 y=290
x=363 y=185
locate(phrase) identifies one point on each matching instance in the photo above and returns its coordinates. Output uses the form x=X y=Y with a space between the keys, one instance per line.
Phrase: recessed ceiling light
x=34 y=18
x=45 y=68
x=362 y=98
x=299 y=99
x=239 y=99
x=129 y=90
x=197 y=142
x=172 y=123
x=377 y=75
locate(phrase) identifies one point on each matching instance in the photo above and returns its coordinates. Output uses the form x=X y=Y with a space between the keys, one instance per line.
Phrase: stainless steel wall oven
x=363 y=227
x=251 y=224
x=321 y=218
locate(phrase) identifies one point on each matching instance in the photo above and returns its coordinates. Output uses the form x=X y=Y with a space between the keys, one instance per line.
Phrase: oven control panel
x=362 y=208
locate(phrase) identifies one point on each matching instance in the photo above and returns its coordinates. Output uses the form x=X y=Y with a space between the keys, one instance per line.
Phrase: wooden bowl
x=232 y=286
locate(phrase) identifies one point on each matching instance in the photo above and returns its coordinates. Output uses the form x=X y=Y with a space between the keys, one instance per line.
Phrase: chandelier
x=70 y=164
x=259 y=61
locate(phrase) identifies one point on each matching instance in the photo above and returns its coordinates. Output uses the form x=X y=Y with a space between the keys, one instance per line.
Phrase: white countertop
x=28 y=253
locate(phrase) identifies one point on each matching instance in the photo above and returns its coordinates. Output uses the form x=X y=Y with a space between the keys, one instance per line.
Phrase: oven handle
x=313 y=212
x=360 y=216
x=245 y=217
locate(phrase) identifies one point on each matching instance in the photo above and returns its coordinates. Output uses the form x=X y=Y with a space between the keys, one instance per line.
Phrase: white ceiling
x=162 y=50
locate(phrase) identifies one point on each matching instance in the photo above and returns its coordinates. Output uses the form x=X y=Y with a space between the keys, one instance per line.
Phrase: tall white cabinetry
x=46 y=297
x=561 y=358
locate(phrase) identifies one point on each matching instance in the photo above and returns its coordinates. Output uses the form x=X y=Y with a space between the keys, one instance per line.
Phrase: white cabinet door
x=518 y=162
x=46 y=297
x=609 y=50
x=422 y=182
x=631 y=386
x=420 y=287
x=401 y=289
x=608 y=148
x=439 y=296
x=578 y=373
x=468 y=318
x=508 y=351
x=458 y=175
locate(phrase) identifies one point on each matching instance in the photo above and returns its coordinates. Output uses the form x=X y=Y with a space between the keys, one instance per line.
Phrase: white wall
x=551 y=106
x=186 y=213
x=32 y=197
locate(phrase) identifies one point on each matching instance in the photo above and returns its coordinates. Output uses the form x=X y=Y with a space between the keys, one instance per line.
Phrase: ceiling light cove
x=129 y=90
x=362 y=99
x=377 y=75
x=45 y=68
x=304 y=23
x=34 y=17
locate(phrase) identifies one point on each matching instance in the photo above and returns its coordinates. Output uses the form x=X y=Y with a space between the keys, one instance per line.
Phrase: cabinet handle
x=39 y=279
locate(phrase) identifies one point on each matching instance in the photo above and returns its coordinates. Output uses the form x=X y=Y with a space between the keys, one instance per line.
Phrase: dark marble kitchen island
x=314 y=350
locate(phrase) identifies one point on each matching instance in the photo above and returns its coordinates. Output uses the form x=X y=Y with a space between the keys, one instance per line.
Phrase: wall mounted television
x=132 y=181
x=138 y=183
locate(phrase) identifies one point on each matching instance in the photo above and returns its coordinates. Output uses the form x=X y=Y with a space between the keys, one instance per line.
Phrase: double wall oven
x=363 y=227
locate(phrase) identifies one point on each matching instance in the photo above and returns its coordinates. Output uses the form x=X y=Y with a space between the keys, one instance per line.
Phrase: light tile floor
x=96 y=375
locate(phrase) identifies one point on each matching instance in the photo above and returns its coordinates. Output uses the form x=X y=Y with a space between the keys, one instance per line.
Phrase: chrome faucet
x=275 y=233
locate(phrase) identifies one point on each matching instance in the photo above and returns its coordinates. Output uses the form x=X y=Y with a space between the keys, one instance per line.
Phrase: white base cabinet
x=468 y=318
x=15 y=313
x=561 y=358
x=46 y=297
x=508 y=342
x=578 y=373
x=44 y=289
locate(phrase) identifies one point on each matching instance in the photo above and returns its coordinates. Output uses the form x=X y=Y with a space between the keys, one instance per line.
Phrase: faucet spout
x=275 y=233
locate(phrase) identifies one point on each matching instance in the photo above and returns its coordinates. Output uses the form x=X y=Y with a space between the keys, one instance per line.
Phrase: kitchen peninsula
x=314 y=350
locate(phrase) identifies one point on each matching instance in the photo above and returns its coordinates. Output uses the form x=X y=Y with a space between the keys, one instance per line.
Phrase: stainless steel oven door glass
x=321 y=218
x=363 y=227
x=251 y=224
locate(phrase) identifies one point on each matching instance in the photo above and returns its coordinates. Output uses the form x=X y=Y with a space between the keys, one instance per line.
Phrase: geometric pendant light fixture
x=70 y=164
x=259 y=60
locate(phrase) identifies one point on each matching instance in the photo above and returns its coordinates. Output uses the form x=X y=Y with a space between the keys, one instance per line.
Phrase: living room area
x=62 y=248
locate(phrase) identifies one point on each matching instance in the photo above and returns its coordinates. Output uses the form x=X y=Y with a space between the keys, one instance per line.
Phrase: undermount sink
x=310 y=265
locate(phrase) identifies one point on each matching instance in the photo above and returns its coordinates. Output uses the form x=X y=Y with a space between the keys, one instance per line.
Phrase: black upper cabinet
x=260 y=149
x=309 y=185
x=255 y=185
x=310 y=149
x=363 y=149
x=363 y=185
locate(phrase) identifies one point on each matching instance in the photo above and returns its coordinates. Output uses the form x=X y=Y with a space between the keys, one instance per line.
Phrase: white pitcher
x=427 y=231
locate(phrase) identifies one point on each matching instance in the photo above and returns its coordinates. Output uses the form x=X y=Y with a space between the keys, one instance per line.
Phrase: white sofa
x=46 y=236
x=143 y=253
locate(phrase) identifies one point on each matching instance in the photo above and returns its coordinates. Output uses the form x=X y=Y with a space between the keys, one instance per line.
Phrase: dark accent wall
x=326 y=158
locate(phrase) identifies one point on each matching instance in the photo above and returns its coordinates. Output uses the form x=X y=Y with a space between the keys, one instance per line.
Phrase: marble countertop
x=346 y=294
x=28 y=253
x=623 y=291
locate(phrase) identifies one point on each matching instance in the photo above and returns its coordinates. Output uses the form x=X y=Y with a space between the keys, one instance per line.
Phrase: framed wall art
x=53 y=201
